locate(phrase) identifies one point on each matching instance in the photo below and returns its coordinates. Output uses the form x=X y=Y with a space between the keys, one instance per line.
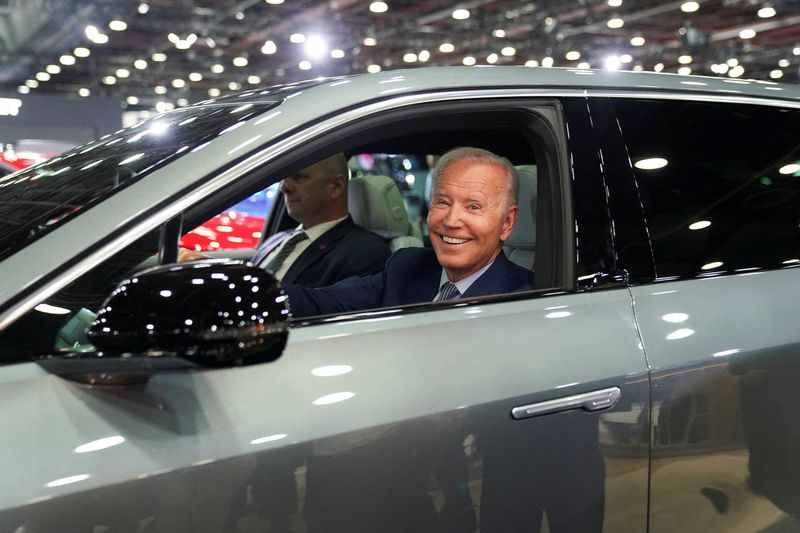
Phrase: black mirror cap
x=214 y=312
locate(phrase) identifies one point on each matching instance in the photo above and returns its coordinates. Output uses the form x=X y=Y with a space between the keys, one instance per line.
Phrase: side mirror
x=213 y=313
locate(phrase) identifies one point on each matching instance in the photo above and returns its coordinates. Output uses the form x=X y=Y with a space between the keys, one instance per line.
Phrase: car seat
x=520 y=247
x=375 y=204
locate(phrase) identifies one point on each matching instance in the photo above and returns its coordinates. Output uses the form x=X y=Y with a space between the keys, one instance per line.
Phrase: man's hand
x=185 y=254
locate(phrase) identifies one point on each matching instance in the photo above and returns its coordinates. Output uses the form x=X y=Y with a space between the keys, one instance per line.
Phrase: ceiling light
x=195 y=76
x=53 y=69
x=722 y=68
x=651 y=163
x=370 y=41
x=461 y=14
x=626 y=58
x=217 y=69
x=508 y=51
x=239 y=15
x=547 y=62
x=499 y=33
x=269 y=48
x=42 y=76
x=700 y=224
x=297 y=38
x=611 y=63
x=690 y=7
x=736 y=71
x=160 y=89
x=90 y=31
x=316 y=47
x=83 y=92
x=531 y=63
x=240 y=61
x=584 y=65
x=766 y=12
x=81 y=52
x=573 y=55
x=123 y=73
x=776 y=74
x=446 y=48
x=637 y=41
x=747 y=33
x=685 y=59
x=31 y=83
x=614 y=3
x=182 y=102
x=409 y=57
x=732 y=62
x=118 y=25
x=685 y=71
x=492 y=59
x=784 y=63
x=791 y=168
x=468 y=61
x=178 y=83
x=615 y=23
x=214 y=92
x=100 y=38
x=158 y=57
x=253 y=79
x=132 y=100
x=373 y=69
x=140 y=64
x=658 y=67
x=304 y=65
x=337 y=53
x=109 y=80
x=379 y=7
x=23 y=89
x=275 y=2
x=211 y=43
x=143 y=8
x=638 y=68
x=67 y=59
x=424 y=55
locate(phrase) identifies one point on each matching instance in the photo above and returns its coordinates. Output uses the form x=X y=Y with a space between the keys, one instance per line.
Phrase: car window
x=720 y=184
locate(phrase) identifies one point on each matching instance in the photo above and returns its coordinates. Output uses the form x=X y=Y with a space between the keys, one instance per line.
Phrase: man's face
x=469 y=218
x=307 y=195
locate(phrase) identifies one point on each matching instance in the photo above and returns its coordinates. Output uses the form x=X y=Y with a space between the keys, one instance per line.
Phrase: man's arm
x=350 y=294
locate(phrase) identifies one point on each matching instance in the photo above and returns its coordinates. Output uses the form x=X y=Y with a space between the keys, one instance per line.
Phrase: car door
x=718 y=316
x=520 y=412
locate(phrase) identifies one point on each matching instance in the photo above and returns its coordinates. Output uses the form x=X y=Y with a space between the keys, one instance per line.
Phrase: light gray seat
x=521 y=244
x=375 y=204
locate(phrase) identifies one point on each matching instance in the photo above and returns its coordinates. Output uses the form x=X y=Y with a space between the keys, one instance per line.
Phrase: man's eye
x=474 y=207
x=441 y=202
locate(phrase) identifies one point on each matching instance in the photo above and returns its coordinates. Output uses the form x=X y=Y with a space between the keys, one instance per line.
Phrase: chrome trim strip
x=332 y=123
x=590 y=402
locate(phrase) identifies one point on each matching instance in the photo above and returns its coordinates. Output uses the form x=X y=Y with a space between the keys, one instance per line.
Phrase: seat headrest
x=524 y=233
x=375 y=204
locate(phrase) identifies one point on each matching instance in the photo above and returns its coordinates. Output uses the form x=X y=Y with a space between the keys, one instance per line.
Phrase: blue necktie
x=288 y=247
x=447 y=292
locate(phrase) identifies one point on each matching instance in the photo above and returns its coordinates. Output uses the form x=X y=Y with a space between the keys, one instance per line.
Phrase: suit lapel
x=268 y=245
x=493 y=281
x=319 y=248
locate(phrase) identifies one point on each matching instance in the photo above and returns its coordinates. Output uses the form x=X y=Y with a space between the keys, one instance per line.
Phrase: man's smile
x=452 y=240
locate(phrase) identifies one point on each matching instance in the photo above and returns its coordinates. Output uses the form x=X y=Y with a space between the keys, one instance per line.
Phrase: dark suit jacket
x=412 y=275
x=344 y=250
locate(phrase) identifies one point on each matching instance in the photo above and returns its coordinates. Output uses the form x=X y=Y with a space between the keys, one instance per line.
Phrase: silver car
x=647 y=383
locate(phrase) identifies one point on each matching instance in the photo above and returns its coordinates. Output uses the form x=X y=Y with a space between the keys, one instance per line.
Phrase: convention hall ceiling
x=178 y=51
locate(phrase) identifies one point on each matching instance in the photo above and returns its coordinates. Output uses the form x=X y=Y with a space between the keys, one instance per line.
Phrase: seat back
x=376 y=205
x=521 y=244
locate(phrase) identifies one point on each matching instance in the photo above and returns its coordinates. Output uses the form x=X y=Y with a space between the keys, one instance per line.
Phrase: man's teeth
x=451 y=240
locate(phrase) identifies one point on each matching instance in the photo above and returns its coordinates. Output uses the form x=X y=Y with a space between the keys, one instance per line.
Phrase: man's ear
x=509 y=220
x=338 y=186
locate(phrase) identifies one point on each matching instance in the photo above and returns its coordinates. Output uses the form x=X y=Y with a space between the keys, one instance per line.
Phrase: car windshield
x=40 y=198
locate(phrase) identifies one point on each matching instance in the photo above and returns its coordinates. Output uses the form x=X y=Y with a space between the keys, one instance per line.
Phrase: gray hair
x=467 y=154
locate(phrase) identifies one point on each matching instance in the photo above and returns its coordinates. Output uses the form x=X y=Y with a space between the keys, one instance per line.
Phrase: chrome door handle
x=589 y=401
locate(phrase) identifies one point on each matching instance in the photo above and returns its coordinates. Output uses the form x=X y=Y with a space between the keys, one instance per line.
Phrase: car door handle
x=589 y=401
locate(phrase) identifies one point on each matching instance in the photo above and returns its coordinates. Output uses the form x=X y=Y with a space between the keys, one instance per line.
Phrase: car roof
x=397 y=82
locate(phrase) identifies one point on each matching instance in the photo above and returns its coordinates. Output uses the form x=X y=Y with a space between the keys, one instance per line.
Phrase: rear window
x=720 y=184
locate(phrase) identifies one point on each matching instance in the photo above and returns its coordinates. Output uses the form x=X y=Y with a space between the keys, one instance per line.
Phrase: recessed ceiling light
x=747 y=33
x=508 y=51
x=658 y=67
x=158 y=57
x=132 y=100
x=304 y=65
x=143 y=8
x=410 y=57
x=269 y=48
x=572 y=55
x=583 y=65
x=315 y=47
x=531 y=63
x=492 y=59
x=81 y=52
x=499 y=33
x=42 y=76
x=611 y=63
x=275 y=2
x=784 y=63
x=685 y=59
x=776 y=74
x=614 y=3
x=373 y=69
x=547 y=62
x=337 y=53
x=637 y=41
x=297 y=38
x=424 y=56
x=240 y=61
x=615 y=23
x=446 y=48
x=23 y=89
x=690 y=7
x=214 y=92
x=379 y=7
x=67 y=59
x=84 y=92
x=217 y=69
x=736 y=71
x=178 y=83
x=253 y=79
x=53 y=69
x=140 y=64
x=461 y=14
x=160 y=89
x=123 y=73
x=195 y=76
x=685 y=71
x=370 y=41
x=732 y=62
x=109 y=80
x=766 y=12
x=32 y=83
x=626 y=58
x=468 y=61
x=118 y=25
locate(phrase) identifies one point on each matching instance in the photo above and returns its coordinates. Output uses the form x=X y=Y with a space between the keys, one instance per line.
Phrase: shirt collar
x=465 y=283
x=315 y=232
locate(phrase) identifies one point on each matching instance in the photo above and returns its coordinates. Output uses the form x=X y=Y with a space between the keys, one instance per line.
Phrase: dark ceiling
x=35 y=34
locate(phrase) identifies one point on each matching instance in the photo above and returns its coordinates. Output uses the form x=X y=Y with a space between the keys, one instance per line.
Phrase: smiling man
x=473 y=211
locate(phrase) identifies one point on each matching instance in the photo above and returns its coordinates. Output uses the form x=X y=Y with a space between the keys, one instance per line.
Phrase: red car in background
x=27 y=152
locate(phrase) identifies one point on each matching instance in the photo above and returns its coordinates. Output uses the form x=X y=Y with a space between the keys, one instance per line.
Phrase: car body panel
x=724 y=353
